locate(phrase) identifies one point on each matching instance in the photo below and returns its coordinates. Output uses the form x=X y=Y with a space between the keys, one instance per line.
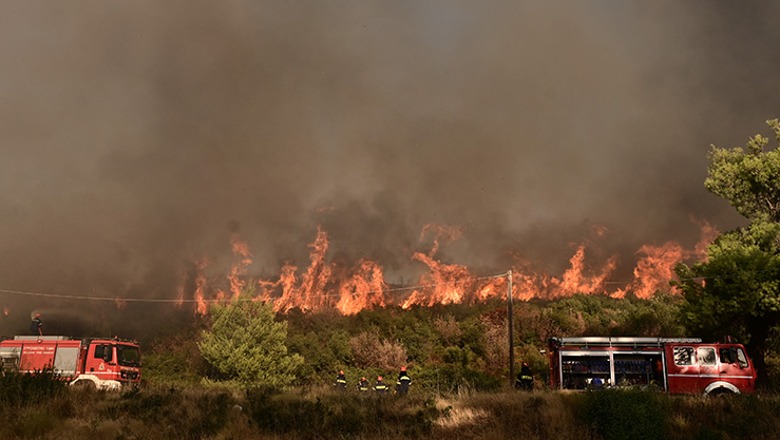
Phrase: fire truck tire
x=85 y=384
x=720 y=389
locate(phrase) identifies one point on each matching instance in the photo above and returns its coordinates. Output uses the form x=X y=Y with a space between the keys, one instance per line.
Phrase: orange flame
x=445 y=283
x=201 y=305
x=239 y=269
x=363 y=290
x=655 y=268
x=352 y=289
x=574 y=281
x=312 y=293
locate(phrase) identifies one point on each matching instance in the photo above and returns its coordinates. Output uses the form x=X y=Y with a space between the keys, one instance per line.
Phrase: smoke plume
x=137 y=138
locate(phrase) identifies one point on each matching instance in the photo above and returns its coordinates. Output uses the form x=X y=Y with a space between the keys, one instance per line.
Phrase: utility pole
x=511 y=326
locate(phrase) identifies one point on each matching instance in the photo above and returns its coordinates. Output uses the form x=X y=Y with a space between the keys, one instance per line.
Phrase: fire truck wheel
x=719 y=392
x=86 y=385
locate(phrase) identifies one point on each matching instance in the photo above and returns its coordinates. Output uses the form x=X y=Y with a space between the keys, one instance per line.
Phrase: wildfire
x=237 y=284
x=363 y=290
x=201 y=306
x=655 y=267
x=326 y=285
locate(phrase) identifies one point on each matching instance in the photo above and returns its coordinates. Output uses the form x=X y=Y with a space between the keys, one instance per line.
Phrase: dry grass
x=322 y=413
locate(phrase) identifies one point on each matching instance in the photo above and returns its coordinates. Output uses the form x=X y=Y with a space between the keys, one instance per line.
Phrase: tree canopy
x=246 y=345
x=748 y=179
x=736 y=290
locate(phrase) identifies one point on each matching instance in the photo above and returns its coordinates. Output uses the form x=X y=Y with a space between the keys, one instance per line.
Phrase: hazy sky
x=136 y=137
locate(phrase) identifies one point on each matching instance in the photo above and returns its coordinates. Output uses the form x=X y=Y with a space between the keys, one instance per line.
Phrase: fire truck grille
x=129 y=375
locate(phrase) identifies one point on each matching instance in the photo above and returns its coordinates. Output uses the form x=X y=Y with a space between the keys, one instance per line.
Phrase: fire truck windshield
x=128 y=355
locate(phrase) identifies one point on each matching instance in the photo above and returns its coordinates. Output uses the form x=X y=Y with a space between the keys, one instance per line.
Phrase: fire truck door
x=682 y=369
x=734 y=367
x=708 y=366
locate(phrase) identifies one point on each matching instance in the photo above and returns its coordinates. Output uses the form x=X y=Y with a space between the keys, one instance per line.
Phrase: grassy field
x=40 y=408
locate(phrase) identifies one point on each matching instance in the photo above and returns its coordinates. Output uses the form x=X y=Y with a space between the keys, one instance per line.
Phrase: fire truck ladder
x=620 y=341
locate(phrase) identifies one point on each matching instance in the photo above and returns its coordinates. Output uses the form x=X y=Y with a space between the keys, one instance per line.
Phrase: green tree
x=246 y=345
x=748 y=180
x=736 y=290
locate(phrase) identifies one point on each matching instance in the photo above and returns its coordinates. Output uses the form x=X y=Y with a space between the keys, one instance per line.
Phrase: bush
x=187 y=413
x=336 y=414
x=21 y=389
x=625 y=414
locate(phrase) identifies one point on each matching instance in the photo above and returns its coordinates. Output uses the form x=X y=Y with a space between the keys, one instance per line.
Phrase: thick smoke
x=136 y=137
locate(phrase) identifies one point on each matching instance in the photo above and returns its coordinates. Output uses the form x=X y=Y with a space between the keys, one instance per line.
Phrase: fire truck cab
x=676 y=365
x=99 y=363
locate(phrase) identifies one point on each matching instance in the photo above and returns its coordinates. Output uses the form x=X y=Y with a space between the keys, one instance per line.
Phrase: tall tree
x=736 y=290
x=748 y=179
x=246 y=345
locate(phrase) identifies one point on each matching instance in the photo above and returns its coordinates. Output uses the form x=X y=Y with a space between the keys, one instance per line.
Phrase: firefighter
x=36 y=324
x=363 y=385
x=403 y=382
x=379 y=385
x=341 y=381
x=525 y=379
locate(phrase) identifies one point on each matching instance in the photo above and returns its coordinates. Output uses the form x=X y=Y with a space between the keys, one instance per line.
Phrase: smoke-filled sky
x=137 y=137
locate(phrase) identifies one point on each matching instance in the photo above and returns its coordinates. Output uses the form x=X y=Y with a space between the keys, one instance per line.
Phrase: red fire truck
x=100 y=363
x=676 y=365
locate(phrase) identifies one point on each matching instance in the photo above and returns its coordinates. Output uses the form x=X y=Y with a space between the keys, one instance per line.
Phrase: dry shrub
x=496 y=336
x=509 y=415
x=370 y=351
x=448 y=328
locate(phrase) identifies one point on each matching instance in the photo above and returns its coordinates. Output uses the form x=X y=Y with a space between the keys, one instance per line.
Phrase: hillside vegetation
x=57 y=412
x=456 y=354
x=448 y=348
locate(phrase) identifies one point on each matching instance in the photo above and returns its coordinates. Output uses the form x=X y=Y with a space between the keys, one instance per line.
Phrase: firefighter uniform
x=525 y=379
x=363 y=385
x=341 y=381
x=403 y=382
x=36 y=324
x=379 y=385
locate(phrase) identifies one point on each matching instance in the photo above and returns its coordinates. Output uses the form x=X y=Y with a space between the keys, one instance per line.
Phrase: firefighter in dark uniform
x=363 y=385
x=402 y=385
x=341 y=381
x=525 y=379
x=36 y=324
x=379 y=385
